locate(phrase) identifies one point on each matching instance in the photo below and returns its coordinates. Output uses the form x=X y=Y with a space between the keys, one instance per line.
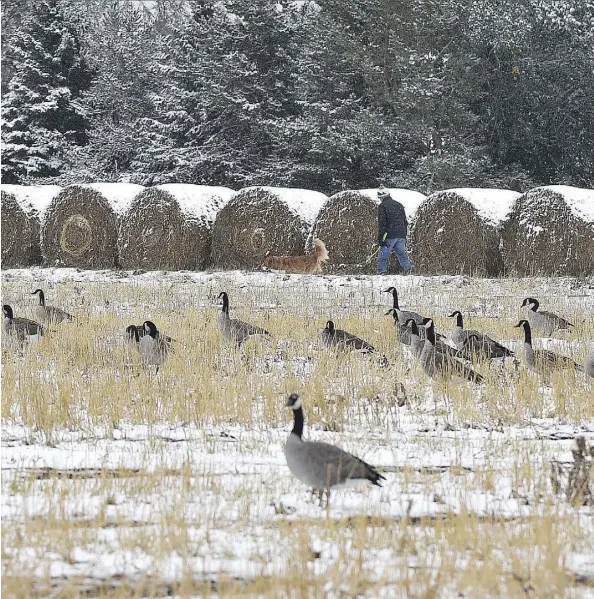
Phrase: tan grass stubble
x=71 y=378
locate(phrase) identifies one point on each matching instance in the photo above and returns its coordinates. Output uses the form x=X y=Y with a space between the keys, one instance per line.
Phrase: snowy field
x=116 y=482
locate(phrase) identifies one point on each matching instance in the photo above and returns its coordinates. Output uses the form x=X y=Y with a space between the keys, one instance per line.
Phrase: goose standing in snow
x=403 y=315
x=153 y=348
x=135 y=332
x=543 y=322
x=436 y=363
x=236 y=330
x=473 y=343
x=50 y=314
x=543 y=361
x=333 y=337
x=22 y=329
x=417 y=343
x=320 y=465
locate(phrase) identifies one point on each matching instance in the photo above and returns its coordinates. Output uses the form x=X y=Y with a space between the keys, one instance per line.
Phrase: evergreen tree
x=41 y=115
x=230 y=77
x=124 y=44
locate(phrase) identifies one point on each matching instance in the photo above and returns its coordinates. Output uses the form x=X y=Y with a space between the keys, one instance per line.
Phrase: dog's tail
x=320 y=251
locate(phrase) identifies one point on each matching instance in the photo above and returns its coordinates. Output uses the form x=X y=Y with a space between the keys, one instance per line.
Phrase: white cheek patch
x=297 y=404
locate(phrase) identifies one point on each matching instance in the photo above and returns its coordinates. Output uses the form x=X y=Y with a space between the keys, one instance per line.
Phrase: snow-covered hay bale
x=262 y=221
x=169 y=227
x=549 y=231
x=457 y=231
x=81 y=224
x=23 y=207
x=347 y=223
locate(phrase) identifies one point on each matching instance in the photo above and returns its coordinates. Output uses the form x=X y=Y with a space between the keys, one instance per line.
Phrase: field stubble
x=120 y=483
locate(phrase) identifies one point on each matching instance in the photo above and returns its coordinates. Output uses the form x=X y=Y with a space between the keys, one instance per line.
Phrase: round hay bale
x=550 y=231
x=169 y=227
x=262 y=221
x=457 y=231
x=23 y=208
x=81 y=224
x=347 y=224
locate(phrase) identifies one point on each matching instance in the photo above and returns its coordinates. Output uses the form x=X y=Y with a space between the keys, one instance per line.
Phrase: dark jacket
x=391 y=220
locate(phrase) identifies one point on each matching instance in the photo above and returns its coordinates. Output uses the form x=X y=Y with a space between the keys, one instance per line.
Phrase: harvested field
x=458 y=232
x=80 y=226
x=550 y=231
x=23 y=208
x=262 y=221
x=169 y=227
x=117 y=483
x=347 y=223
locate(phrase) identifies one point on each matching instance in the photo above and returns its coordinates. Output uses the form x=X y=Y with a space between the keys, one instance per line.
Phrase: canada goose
x=153 y=348
x=403 y=315
x=436 y=363
x=320 y=465
x=236 y=330
x=417 y=343
x=50 y=314
x=543 y=322
x=21 y=328
x=135 y=332
x=333 y=337
x=543 y=361
x=473 y=343
x=589 y=365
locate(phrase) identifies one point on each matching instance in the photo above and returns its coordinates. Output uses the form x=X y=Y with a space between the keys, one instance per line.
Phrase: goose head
x=531 y=303
x=293 y=402
x=41 y=296
x=150 y=328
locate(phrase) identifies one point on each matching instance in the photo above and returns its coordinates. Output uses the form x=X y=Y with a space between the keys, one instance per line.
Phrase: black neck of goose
x=225 y=308
x=298 y=422
x=42 y=299
x=534 y=305
x=527 y=334
x=395 y=300
x=136 y=335
x=431 y=334
x=459 y=320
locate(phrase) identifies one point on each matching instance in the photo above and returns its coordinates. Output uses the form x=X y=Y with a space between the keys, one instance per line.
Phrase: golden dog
x=309 y=265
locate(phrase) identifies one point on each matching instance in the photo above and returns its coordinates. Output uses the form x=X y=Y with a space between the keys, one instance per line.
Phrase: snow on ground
x=171 y=500
x=200 y=202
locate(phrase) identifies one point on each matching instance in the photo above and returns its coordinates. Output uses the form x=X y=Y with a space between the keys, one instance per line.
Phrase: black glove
x=382 y=242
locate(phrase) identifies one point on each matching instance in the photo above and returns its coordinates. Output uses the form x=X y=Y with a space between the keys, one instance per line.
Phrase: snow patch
x=580 y=201
x=200 y=202
x=33 y=199
x=304 y=203
x=492 y=204
x=119 y=195
x=411 y=200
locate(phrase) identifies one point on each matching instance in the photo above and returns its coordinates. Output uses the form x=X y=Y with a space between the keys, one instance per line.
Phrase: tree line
x=324 y=95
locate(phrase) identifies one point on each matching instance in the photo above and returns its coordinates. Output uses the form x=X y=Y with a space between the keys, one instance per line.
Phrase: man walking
x=392 y=229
